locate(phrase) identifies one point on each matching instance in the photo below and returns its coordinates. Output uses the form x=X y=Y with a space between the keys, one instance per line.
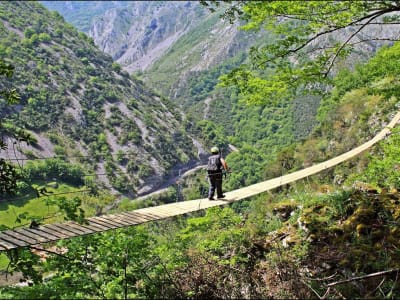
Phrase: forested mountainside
x=190 y=48
x=80 y=105
x=193 y=48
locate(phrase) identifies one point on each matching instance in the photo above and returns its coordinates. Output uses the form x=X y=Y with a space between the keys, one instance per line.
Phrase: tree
x=312 y=37
x=8 y=174
x=9 y=95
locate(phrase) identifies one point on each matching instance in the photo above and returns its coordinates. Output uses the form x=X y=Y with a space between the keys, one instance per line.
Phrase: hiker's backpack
x=214 y=163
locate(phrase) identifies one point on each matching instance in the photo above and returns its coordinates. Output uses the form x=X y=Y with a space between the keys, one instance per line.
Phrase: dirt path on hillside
x=206 y=108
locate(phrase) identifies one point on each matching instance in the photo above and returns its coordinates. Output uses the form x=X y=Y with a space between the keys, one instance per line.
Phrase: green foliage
x=256 y=90
x=53 y=169
x=8 y=173
x=70 y=207
x=214 y=232
x=201 y=84
x=247 y=166
x=22 y=260
x=119 y=260
x=378 y=76
x=352 y=113
x=8 y=178
x=383 y=169
x=298 y=26
x=211 y=133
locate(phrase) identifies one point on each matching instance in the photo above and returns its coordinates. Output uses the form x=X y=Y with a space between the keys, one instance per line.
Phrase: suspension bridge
x=25 y=237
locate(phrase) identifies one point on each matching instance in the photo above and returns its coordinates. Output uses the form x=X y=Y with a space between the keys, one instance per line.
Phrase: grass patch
x=13 y=213
x=20 y=212
x=3 y=262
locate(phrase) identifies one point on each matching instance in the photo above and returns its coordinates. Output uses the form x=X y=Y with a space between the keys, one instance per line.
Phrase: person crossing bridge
x=215 y=168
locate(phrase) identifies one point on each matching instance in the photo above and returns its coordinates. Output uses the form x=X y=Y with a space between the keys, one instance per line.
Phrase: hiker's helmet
x=214 y=150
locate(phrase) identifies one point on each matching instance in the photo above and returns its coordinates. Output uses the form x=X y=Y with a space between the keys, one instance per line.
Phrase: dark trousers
x=215 y=181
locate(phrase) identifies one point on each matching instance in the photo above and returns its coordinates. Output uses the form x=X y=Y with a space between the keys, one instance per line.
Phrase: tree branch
x=355 y=43
x=358 y=22
x=50 y=252
x=380 y=23
x=311 y=288
x=347 y=41
x=363 y=277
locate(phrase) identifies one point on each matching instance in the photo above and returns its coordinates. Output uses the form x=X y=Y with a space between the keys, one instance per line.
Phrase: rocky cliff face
x=82 y=13
x=139 y=34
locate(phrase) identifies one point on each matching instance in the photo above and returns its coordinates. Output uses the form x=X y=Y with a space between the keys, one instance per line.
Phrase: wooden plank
x=159 y=213
x=152 y=217
x=108 y=222
x=91 y=227
x=172 y=211
x=144 y=215
x=12 y=240
x=64 y=226
x=77 y=229
x=121 y=222
x=19 y=236
x=55 y=231
x=108 y=226
x=2 y=248
x=166 y=210
x=182 y=206
x=97 y=226
x=35 y=236
x=149 y=211
x=190 y=204
x=140 y=218
x=105 y=222
x=124 y=219
x=81 y=227
x=187 y=209
x=47 y=233
x=7 y=245
x=117 y=221
x=132 y=219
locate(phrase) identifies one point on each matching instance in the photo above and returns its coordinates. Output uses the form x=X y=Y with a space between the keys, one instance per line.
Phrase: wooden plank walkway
x=24 y=237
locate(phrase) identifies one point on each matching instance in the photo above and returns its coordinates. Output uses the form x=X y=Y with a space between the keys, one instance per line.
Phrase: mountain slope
x=190 y=48
x=142 y=32
x=82 y=13
x=134 y=33
x=77 y=102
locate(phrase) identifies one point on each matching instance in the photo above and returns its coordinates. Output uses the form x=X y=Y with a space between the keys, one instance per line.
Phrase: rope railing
x=25 y=237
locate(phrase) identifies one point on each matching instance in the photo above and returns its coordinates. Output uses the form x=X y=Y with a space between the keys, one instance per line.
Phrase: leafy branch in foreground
x=312 y=37
x=8 y=174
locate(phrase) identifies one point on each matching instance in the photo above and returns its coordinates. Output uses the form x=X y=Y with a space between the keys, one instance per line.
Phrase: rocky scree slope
x=139 y=34
x=82 y=13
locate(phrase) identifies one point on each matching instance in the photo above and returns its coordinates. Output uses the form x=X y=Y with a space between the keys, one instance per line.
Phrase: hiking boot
x=220 y=197
x=211 y=198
